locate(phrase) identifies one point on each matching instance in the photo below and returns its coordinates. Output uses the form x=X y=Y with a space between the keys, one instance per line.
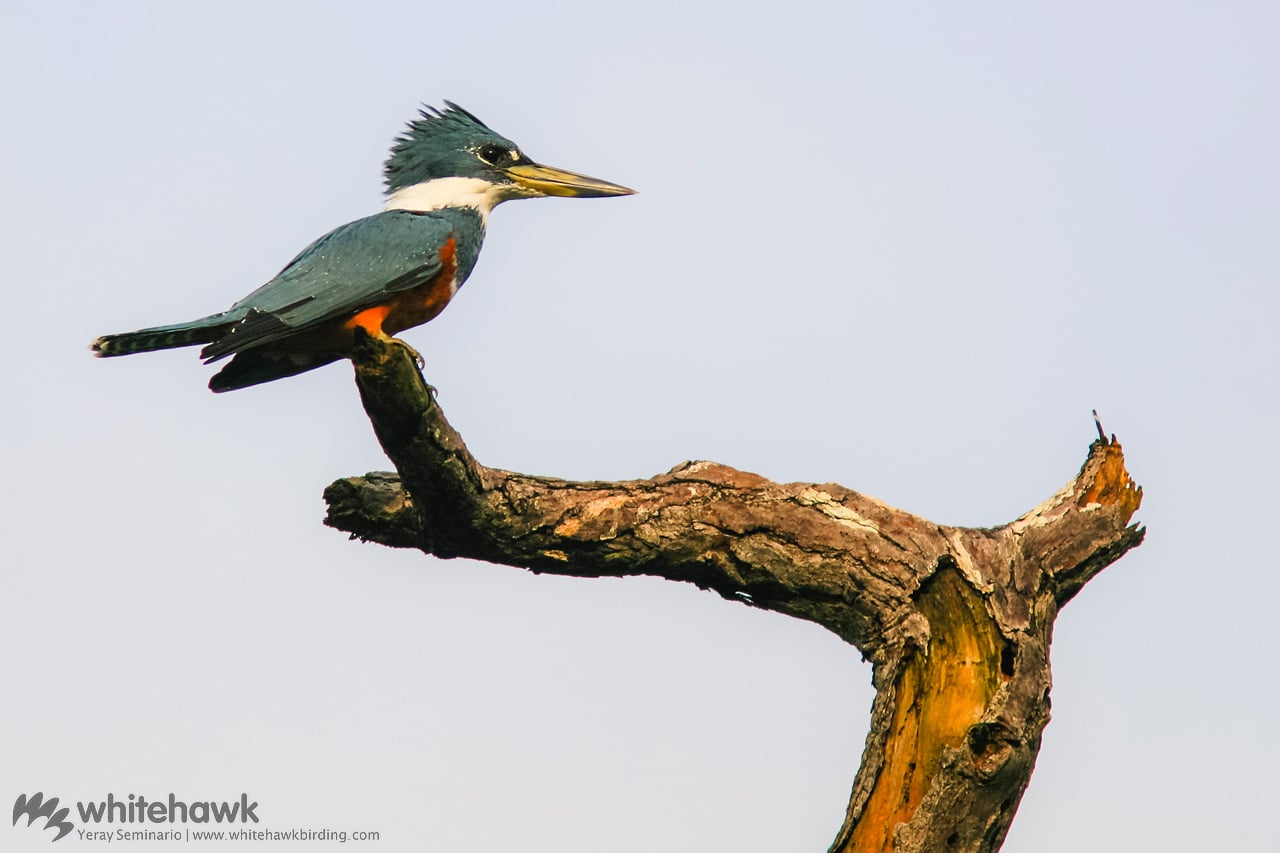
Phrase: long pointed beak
x=549 y=181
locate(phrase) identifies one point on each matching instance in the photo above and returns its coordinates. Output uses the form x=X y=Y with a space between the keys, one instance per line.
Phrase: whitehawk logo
x=38 y=806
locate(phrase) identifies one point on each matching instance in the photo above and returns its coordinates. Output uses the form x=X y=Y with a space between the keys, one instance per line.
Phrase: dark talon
x=417 y=356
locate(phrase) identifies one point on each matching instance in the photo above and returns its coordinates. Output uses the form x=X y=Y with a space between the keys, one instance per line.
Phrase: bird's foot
x=417 y=356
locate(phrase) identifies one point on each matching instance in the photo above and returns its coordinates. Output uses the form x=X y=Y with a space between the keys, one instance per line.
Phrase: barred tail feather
x=161 y=337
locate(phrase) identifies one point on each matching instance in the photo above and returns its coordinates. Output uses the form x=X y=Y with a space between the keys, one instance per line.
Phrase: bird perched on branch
x=384 y=273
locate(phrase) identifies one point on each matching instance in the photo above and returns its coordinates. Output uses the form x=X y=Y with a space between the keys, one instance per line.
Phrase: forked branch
x=956 y=621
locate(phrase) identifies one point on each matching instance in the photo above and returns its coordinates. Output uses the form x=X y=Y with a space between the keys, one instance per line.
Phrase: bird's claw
x=421 y=362
x=417 y=356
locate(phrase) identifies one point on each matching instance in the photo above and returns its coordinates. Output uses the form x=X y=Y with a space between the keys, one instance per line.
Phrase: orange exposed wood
x=1112 y=485
x=940 y=695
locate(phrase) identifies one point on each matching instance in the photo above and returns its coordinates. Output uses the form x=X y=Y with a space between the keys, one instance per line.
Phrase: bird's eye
x=491 y=154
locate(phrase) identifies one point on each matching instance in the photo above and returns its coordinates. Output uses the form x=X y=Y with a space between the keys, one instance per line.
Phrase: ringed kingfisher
x=385 y=273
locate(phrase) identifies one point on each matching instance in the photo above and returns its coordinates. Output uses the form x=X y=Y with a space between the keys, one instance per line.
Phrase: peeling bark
x=956 y=621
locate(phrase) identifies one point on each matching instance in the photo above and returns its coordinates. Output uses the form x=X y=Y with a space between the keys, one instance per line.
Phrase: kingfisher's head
x=449 y=158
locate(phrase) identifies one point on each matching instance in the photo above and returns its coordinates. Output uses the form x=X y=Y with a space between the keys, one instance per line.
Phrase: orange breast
x=414 y=307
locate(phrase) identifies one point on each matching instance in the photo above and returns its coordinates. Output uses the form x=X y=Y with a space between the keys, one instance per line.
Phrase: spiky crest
x=436 y=145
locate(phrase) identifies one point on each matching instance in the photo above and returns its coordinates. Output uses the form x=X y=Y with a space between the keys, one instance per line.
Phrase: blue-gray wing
x=353 y=267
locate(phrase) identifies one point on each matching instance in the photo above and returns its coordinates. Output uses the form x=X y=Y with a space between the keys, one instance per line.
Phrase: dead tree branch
x=956 y=621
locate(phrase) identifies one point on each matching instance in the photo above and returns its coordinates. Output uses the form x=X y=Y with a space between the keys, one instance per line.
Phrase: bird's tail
x=255 y=366
x=201 y=331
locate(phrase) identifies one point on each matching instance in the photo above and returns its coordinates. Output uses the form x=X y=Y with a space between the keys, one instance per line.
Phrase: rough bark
x=956 y=621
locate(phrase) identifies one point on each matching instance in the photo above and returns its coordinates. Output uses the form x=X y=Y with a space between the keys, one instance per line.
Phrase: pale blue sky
x=902 y=247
